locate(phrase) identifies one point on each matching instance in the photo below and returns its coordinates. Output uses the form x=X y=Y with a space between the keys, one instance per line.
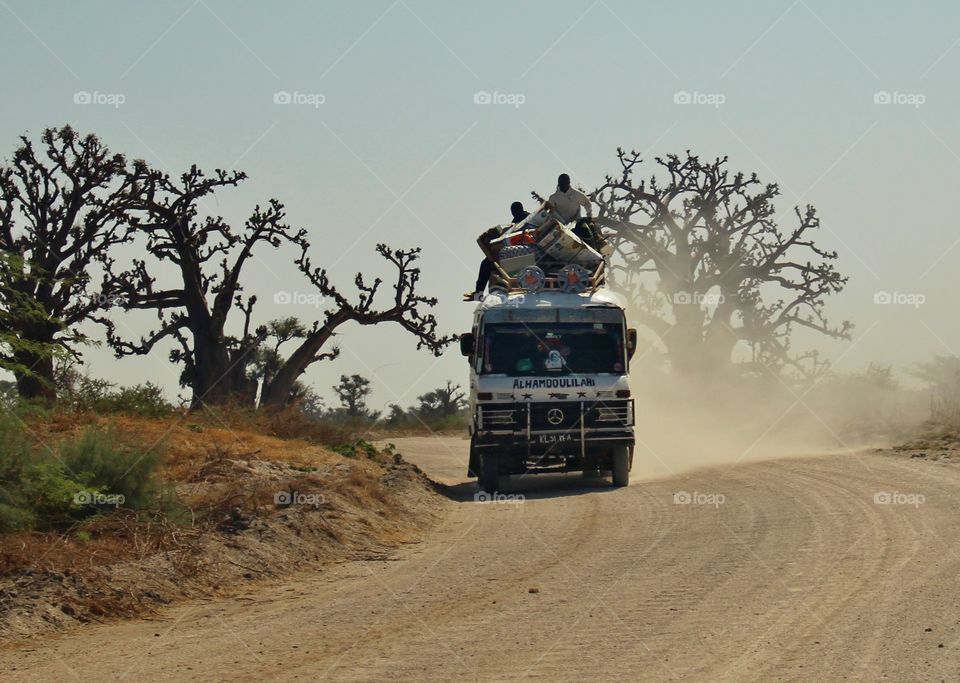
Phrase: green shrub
x=14 y=449
x=90 y=395
x=43 y=490
x=105 y=465
x=359 y=447
x=141 y=399
x=52 y=496
x=15 y=518
x=14 y=459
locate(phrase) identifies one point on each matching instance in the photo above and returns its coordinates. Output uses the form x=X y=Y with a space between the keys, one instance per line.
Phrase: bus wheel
x=473 y=465
x=490 y=473
x=621 y=466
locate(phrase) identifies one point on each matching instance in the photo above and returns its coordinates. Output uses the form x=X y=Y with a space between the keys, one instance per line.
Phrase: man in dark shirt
x=516 y=209
x=486 y=266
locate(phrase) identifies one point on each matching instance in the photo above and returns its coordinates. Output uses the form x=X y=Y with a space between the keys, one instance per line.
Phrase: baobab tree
x=195 y=311
x=443 y=401
x=707 y=267
x=404 y=307
x=353 y=391
x=63 y=208
x=210 y=255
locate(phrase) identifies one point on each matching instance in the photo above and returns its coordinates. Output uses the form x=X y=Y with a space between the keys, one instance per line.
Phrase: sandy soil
x=785 y=570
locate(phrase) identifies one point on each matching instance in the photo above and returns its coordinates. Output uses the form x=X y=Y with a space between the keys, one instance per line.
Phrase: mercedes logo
x=555 y=416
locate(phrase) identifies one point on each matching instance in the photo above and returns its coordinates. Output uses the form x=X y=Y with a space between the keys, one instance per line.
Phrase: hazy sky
x=383 y=139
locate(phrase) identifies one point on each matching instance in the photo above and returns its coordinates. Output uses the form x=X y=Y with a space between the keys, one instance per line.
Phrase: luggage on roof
x=541 y=253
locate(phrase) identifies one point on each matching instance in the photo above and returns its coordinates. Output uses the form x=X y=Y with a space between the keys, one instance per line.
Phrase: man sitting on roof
x=567 y=201
x=486 y=266
x=517 y=212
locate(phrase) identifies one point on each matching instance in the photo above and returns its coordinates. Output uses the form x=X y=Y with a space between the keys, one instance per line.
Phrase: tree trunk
x=684 y=341
x=277 y=392
x=212 y=380
x=37 y=384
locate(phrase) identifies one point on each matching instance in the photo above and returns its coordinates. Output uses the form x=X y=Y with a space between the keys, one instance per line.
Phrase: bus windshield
x=520 y=349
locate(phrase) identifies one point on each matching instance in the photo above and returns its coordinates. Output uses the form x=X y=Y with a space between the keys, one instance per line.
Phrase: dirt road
x=782 y=570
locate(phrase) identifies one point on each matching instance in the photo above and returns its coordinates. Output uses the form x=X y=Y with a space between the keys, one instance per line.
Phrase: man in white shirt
x=567 y=201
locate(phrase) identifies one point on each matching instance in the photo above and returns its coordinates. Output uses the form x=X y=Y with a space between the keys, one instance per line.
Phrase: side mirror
x=631 y=342
x=466 y=344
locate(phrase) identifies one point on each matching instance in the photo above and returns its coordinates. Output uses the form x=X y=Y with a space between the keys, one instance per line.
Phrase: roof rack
x=500 y=280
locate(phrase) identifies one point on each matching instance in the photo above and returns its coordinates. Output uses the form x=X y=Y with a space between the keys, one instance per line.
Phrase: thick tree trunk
x=684 y=341
x=277 y=392
x=37 y=384
x=216 y=373
x=212 y=375
x=694 y=352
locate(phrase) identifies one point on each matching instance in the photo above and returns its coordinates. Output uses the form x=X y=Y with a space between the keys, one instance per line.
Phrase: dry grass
x=201 y=450
x=933 y=436
x=99 y=542
x=364 y=488
x=221 y=524
x=193 y=442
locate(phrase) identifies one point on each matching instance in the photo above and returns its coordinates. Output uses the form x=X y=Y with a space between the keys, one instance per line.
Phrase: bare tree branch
x=711 y=235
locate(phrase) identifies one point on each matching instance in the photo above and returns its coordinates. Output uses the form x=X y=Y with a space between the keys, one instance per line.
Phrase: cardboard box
x=515 y=259
x=562 y=245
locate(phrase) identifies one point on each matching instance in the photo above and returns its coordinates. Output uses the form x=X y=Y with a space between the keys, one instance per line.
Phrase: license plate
x=554 y=438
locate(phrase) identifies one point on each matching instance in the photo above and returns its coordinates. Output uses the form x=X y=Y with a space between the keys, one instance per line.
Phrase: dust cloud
x=686 y=423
